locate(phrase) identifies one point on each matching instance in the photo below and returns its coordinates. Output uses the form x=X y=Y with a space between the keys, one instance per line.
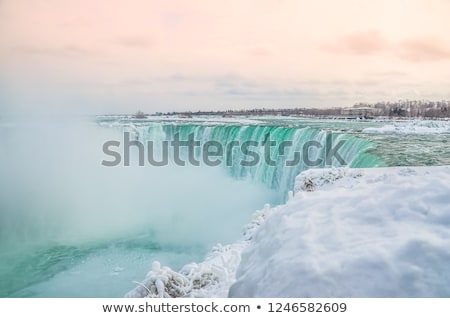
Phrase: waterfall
x=278 y=173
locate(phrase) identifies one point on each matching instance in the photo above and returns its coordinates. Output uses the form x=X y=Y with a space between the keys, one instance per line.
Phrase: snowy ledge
x=379 y=232
x=417 y=127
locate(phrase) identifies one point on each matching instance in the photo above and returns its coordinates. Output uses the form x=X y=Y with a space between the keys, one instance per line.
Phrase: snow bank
x=415 y=127
x=211 y=278
x=381 y=232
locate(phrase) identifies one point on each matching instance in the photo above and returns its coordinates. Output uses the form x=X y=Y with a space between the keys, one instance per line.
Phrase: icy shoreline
x=377 y=232
x=211 y=278
x=416 y=127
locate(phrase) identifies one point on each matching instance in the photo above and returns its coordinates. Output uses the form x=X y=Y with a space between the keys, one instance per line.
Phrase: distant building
x=362 y=112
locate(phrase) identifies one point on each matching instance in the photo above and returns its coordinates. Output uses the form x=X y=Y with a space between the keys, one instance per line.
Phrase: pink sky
x=121 y=55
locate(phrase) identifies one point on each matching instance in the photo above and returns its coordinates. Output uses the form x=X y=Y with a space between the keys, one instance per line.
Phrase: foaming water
x=412 y=150
x=278 y=174
x=65 y=218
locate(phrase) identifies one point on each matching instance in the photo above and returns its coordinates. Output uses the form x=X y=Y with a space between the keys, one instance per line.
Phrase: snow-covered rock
x=378 y=232
x=381 y=232
x=210 y=278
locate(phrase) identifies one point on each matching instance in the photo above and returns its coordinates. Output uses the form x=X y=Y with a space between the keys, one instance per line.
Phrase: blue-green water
x=279 y=174
x=73 y=228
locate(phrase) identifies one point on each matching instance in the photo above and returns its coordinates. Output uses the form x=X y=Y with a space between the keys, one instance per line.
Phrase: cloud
x=63 y=51
x=425 y=49
x=234 y=81
x=260 y=52
x=370 y=43
x=388 y=74
x=362 y=43
x=173 y=19
x=140 y=42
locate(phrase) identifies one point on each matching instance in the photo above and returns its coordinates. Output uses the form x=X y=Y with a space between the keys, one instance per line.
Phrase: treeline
x=401 y=108
x=410 y=108
x=260 y=112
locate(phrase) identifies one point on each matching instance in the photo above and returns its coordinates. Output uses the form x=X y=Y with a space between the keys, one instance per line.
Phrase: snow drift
x=211 y=278
x=379 y=232
x=355 y=233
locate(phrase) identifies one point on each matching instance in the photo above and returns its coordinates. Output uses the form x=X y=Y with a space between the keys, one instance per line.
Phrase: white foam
x=414 y=127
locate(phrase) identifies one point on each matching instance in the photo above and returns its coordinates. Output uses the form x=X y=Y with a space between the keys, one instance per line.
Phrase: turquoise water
x=355 y=151
x=411 y=150
x=70 y=227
